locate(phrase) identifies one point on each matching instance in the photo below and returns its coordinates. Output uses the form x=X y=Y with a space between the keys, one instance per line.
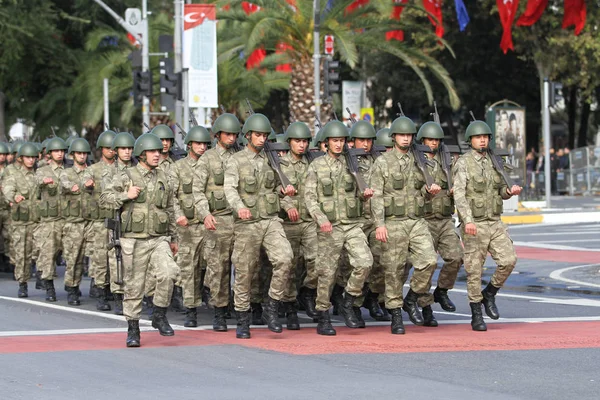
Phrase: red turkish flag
x=575 y=14
x=282 y=48
x=396 y=13
x=533 y=12
x=435 y=8
x=256 y=58
x=356 y=4
x=508 y=11
x=249 y=8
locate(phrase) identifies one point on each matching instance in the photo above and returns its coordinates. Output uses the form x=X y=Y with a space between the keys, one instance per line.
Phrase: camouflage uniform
x=5 y=214
x=478 y=192
x=145 y=241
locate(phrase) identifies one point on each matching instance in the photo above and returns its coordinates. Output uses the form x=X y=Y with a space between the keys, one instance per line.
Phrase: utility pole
x=317 y=59
x=546 y=135
x=106 y=103
x=177 y=40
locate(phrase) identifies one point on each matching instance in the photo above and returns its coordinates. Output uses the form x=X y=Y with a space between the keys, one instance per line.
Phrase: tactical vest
x=442 y=204
x=214 y=185
x=25 y=212
x=3 y=202
x=402 y=196
x=75 y=204
x=337 y=193
x=93 y=210
x=483 y=189
x=296 y=173
x=184 y=192
x=50 y=200
x=257 y=189
x=148 y=216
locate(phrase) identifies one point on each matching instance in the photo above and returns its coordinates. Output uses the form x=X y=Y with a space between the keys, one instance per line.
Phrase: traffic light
x=170 y=85
x=556 y=93
x=142 y=85
x=332 y=76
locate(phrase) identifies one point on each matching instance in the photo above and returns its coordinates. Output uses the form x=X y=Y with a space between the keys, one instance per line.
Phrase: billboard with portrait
x=509 y=134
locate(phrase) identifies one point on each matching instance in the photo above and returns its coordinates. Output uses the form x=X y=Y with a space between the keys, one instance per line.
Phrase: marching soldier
x=251 y=188
x=214 y=210
x=10 y=158
x=336 y=206
x=20 y=190
x=97 y=234
x=299 y=227
x=478 y=192
x=48 y=235
x=148 y=222
x=4 y=212
x=190 y=228
x=398 y=213
x=384 y=139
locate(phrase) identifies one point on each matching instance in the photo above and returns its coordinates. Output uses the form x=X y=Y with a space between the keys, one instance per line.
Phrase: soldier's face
x=258 y=139
x=480 y=142
x=57 y=155
x=403 y=140
x=199 y=148
x=364 y=144
x=153 y=158
x=2 y=158
x=10 y=158
x=124 y=153
x=433 y=144
x=298 y=146
x=108 y=153
x=227 y=139
x=80 y=158
x=167 y=143
x=351 y=144
x=336 y=145
x=323 y=147
x=28 y=161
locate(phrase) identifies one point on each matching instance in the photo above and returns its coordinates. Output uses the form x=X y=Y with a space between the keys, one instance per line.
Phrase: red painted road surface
x=446 y=338
x=569 y=256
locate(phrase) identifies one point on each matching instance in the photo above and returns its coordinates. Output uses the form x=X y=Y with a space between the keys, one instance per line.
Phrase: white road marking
x=69 y=331
x=553 y=233
x=552 y=246
x=549 y=300
x=557 y=275
x=570 y=241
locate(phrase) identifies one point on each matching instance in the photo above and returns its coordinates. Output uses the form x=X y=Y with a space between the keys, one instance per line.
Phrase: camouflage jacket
x=51 y=198
x=209 y=194
x=295 y=170
x=101 y=173
x=182 y=179
x=21 y=182
x=76 y=205
x=441 y=206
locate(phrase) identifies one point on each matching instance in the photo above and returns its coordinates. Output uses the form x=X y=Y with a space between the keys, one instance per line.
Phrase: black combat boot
x=386 y=314
x=324 y=326
x=257 y=311
x=118 y=303
x=441 y=296
x=371 y=303
x=160 y=322
x=291 y=315
x=150 y=306
x=38 y=280
x=359 y=317
x=22 y=293
x=347 y=311
x=95 y=291
x=489 y=301
x=243 y=325
x=337 y=297
x=397 y=324
x=50 y=291
x=477 y=322
x=428 y=318
x=133 y=333
x=307 y=298
x=102 y=303
x=191 y=318
x=220 y=322
x=412 y=308
x=270 y=315
x=73 y=295
x=177 y=300
x=281 y=310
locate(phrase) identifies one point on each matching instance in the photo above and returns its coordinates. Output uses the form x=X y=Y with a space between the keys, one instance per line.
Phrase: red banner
x=435 y=8
x=249 y=8
x=283 y=48
x=195 y=14
x=575 y=14
x=508 y=11
x=533 y=12
x=396 y=13
x=356 y=4
x=256 y=58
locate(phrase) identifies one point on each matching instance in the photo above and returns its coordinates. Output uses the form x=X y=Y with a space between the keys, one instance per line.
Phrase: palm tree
x=362 y=30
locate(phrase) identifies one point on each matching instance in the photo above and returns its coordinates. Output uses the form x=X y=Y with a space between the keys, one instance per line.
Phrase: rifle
x=352 y=119
x=445 y=155
x=422 y=161
x=352 y=162
x=114 y=242
x=499 y=164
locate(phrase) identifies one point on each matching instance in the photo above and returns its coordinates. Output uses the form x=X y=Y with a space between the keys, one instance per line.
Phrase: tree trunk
x=571 y=105
x=584 y=125
x=3 y=136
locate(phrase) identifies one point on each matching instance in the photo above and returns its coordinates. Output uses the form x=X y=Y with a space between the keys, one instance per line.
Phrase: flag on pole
x=396 y=13
x=434 y=7
x=461 y=14
x=533 y=12
x=575 y=14
x=507 y=10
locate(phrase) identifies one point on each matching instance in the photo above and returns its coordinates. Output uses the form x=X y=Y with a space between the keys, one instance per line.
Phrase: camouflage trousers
x=492 y=237
x=407 y=238
x=48 y=240
x=22 y=250
x=96 y=247
x=74 y=243
x=261 y=278
x=4 y=230
x=143 y=258
x=351 y=238
x=303 y=239
x=218 y=246
x=190 y=260
x=447 y=243
x=248 y=239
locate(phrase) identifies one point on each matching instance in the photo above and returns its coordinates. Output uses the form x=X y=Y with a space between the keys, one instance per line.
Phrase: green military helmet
x=242 y=141
x=297 y=130
x=45 y=143
x=403 y=125
x=147 y=141
x=280 y=138
x=226 y=123
x=4 y=148
x=383 y=138
x=123 y=139
x=257 y=123
x=39 y=146
x=272 y=136
x=56 y=143
x=334 y=129
x=430 y=130
x=197 y=134
x=79 y=145
x=319 y=137
x=163 y=132
x=362 y=130
x=105 y=139
x=477 y=128
x=28 y=149
x=70 y=140
x=16 y=146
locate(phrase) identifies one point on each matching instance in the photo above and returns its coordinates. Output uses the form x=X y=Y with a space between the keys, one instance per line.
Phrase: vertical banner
x=200 y=54
x=352 y=97
x=508 y=124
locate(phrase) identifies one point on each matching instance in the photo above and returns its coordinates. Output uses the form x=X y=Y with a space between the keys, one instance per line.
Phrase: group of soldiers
x=339 y=219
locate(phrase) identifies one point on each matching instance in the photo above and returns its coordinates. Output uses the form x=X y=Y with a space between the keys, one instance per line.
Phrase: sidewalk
x=565 y=209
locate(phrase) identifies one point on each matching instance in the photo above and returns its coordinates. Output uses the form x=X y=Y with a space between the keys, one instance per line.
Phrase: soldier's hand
x=89 y=183
x=244 y=213
x=18 y=199
x=289 y=190
x=48 y=181
x=182 y=221
x=471 y=229
x=381 y=234
x=514 y=190
x=210 y=222
x=326 y=227
x=434 y=189
x=133 y=192
x=452 y=192
x=368 y=193
x=293 y=214
x=75 y=188
x=174 y=248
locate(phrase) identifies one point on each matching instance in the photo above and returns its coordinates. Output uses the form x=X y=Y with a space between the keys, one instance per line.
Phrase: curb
x=552 y=218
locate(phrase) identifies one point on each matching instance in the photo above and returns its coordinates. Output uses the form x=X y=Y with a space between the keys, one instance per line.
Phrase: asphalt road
x=545 y=346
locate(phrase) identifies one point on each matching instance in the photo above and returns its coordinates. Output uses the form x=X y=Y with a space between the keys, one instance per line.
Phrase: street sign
x=133 y=18
x=329 y=40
